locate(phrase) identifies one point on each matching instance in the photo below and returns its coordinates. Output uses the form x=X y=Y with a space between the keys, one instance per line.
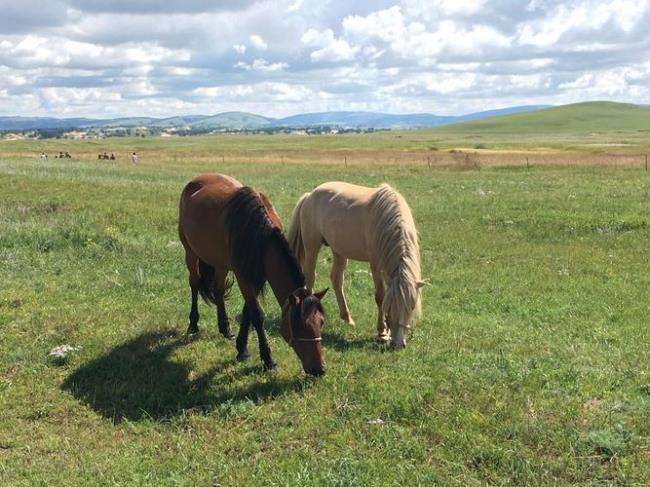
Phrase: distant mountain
x=362 y=120
x=29 y=123
x=389 y=121
x=180 y=121
x=233 y=120
x=127 y=122
x=250 y=121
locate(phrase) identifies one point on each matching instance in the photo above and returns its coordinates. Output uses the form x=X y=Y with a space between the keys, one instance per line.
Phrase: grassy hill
x=592 y=126
x=577 y=118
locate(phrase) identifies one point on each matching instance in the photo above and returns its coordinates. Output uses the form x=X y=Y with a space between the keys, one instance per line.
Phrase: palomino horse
x=366 y=224
x=225 y=226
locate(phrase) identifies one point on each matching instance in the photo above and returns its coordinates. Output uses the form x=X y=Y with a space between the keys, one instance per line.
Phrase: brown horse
x=224 y=227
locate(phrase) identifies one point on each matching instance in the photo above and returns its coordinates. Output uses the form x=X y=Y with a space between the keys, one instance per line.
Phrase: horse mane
x=251 y=233
x=398 y=253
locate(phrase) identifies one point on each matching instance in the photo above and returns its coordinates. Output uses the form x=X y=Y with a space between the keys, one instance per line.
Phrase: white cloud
x=586 y=16
x=440 y=56
x=258 y=42
x=261 y=65
x=411 y=39
x=262 y=91
x=239 y=48
x=331 y=48
x=294 y=5
x=429 y=9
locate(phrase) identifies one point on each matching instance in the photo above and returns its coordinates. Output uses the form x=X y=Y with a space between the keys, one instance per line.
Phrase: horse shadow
x=137 y=380
x=332 y=338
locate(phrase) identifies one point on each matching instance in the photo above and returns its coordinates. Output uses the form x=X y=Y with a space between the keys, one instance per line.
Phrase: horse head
x=302 y=320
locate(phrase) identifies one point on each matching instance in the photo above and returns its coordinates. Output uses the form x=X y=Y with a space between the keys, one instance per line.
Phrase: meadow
x=530 y=365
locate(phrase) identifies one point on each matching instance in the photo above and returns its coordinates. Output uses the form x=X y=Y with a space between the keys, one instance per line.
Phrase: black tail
x=206 y=280
x=206 y=275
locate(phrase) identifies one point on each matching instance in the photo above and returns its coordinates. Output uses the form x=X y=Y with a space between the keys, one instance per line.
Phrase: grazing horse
x=224 y=227
x=368 y=224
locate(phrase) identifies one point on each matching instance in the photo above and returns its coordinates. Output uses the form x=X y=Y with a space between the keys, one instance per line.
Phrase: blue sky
x=127 y=57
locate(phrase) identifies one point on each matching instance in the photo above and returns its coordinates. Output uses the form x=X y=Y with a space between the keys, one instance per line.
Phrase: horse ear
x=297 y=296
x=421 y=284
x=321 y=294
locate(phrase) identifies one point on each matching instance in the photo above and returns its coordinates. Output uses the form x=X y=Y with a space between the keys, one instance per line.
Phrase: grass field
x=530 y=366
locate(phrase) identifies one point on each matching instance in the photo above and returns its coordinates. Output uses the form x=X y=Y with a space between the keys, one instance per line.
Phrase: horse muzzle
x=316 y=371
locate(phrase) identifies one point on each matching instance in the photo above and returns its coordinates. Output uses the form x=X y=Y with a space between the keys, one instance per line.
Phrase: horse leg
x=254 y=314
x=257 y=317
x=192 y=263
x=309 y=266
x=336 y=275
x=383 y=335
x=219 y=287
x=242 y=337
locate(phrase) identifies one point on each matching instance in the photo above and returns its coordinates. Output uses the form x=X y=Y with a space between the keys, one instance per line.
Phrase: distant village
x=105 y=132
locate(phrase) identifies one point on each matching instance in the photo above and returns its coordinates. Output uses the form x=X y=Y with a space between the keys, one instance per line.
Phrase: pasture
x=530 y=366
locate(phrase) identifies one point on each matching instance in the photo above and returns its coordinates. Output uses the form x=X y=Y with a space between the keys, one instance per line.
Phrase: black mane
x=251 y=232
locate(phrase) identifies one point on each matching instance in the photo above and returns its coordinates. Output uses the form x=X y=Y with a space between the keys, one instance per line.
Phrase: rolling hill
x=250 y=121
x=578 y=118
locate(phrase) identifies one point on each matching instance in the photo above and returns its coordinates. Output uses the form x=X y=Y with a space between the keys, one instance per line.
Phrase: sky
x=103 y=59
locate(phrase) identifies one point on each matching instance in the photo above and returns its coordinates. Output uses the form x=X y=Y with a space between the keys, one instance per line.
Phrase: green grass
x=530 y=365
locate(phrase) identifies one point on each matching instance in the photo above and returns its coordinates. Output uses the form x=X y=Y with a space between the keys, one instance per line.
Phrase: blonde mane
x=398 y=254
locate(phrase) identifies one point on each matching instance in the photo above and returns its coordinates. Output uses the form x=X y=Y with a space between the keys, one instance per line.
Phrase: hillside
x=578 y=119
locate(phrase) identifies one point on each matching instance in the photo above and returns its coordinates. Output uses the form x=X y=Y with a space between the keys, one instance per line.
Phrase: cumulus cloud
x=330 y=49
x=94 y=58
x=258 y=42
x=261 y=65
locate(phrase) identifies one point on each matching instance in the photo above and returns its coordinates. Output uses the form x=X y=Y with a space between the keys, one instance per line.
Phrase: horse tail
x=294 y=234
x=206 y=278
x=398 y=253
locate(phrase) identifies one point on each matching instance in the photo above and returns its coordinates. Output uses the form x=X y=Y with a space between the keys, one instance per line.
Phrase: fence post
x=345 y=158
x=646 y=162
x=429 y=161
x=527 y=164
x=223 y=159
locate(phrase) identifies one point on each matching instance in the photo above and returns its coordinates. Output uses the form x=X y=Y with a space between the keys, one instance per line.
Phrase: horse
x=373 y=225
x=225 y=226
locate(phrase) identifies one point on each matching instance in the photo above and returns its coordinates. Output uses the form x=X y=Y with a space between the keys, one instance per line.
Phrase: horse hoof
x=242 y=357
x=348 y=320
x=382 y=339
x=228 y=334
x=269 y=366
x=192 y=331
